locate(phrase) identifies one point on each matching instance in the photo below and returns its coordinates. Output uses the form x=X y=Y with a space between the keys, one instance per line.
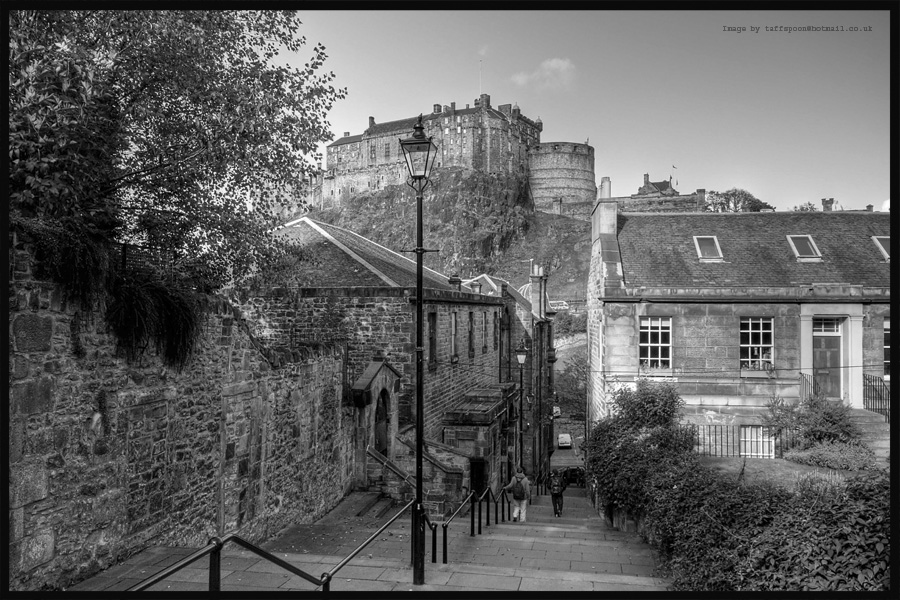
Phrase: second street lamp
x=419 y=152
x=521 y=355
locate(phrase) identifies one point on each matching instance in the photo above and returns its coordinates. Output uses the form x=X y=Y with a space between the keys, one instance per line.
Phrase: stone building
x=735 y=308
x=359 y=294
x=561 y=175
x=481 y=137
x=528 y=319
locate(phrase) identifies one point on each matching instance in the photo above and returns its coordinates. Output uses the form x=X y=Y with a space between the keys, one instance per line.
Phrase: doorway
x=381 y=422
x=477 y=474
x=827 y=356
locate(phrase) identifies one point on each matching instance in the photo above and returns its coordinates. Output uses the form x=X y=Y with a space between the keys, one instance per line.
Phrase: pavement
x=574 y=552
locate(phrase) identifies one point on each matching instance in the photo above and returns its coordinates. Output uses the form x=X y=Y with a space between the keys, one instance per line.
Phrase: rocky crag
x=478 y=223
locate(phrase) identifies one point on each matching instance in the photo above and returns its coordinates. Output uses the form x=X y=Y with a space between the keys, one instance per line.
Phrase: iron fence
x=751 y=441
x=877 y=396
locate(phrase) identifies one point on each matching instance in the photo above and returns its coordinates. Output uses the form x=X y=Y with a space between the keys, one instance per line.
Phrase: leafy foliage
x=816 y=419
x=716 y=533
x=170 y=127
x=571 y=384
x=143 y=310
x=734 y=200
x=834 y=455
x=808 y=206
x=565 y=323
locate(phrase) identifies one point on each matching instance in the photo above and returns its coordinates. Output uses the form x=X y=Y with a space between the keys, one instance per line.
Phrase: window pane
x=708 y=247
x=803 y=245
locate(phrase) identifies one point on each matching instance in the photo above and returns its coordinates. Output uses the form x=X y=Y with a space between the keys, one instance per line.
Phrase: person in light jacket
x=519 y=486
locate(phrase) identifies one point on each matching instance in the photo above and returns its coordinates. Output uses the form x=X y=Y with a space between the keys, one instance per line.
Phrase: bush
x=648 y=405
x=815 y=420
x=838 y=542
x=834 y=455
x=717 y=533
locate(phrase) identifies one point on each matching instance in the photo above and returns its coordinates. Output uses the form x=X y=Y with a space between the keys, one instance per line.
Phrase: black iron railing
x=751 y=441
x=809 y=387
x=214 y=550
x=446 y=523
x=877 y=396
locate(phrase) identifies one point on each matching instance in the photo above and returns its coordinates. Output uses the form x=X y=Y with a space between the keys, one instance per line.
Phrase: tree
x=571 y=385
x=734 y=200
x=171 y=128
x=807 y=206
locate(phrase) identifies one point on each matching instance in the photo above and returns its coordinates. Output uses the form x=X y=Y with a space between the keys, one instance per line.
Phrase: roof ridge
x=351 y=253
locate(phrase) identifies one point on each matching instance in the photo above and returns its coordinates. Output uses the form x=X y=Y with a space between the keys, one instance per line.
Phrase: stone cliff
x=477 y=223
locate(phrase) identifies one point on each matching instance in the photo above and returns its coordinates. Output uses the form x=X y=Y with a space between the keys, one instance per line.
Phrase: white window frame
x=702 y=258
x=453 y=331
x=759 y=363
x=663 y=325
x=885 y=252
x=805 y=257
x=756 y=441
x=887 y=347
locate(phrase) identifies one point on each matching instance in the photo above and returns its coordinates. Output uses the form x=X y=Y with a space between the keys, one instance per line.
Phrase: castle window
x=432 y=340
x=371 y=151
x=387 y=150
x=471 y=334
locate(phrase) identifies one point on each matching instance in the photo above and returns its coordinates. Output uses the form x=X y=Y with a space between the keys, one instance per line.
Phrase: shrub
x=837 y=543
x=834 y=455
x=815 y=419
x=648 y=405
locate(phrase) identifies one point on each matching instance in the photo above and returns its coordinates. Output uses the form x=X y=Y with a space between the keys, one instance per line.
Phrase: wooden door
x=827 y=364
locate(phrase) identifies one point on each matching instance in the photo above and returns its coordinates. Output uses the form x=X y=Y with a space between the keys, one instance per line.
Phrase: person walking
x=557 y=487
x=521 y=493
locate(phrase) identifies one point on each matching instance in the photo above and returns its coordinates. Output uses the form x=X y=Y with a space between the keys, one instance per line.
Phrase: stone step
x=860 y=415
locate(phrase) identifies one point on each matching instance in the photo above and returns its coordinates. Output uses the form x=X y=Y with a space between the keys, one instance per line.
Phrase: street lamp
x=419 y=152
x=521 y=355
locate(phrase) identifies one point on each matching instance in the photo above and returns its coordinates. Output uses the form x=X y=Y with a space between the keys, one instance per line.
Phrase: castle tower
x=561 y=170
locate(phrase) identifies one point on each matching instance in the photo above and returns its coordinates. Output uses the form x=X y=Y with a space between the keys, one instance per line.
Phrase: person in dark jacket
x=557 y=484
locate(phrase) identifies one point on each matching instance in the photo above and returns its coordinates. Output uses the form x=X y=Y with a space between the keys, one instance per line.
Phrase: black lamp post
x=521 y=355
x=419 y=152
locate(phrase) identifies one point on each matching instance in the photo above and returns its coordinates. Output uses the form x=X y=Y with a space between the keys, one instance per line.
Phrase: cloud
x=886 y=205
x=553 y=73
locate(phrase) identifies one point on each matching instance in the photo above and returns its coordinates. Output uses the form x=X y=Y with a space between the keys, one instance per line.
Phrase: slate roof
x=661 y=185
x=346 y=140
x=657 y=250
x=342 y=258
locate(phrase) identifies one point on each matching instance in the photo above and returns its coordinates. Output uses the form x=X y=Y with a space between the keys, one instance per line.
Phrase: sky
x=790 y=116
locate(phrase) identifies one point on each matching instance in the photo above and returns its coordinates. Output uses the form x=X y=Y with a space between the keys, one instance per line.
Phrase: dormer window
x=708 y=248
x=804 y=248
x=884 y=244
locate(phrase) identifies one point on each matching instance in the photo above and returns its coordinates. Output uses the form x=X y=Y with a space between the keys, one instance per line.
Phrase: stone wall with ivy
x=109 y=456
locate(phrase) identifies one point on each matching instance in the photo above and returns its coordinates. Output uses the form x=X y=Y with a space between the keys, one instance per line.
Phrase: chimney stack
x=346 y=134
x=371 y=121
x=870 y=208
x=605 y=188
x=536 y=302
x=455 y=281
x=475 y=286
x=646 y=179
x=436 y=109
x=827 y=203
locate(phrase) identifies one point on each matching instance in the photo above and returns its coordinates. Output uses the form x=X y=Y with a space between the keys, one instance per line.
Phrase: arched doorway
x=382 y=410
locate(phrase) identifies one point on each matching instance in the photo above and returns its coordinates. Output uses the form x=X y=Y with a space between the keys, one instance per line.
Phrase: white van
x=564 y=440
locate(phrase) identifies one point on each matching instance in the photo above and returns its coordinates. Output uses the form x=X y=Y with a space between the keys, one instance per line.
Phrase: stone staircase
x=575 y=552
x=876 y=432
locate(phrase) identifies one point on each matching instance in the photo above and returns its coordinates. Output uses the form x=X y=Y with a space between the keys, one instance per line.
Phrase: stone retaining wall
x=108 y=457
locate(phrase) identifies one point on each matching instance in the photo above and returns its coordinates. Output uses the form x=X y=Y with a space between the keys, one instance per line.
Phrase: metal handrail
x=433 y=527
x=214 y=549
x=446 y=523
